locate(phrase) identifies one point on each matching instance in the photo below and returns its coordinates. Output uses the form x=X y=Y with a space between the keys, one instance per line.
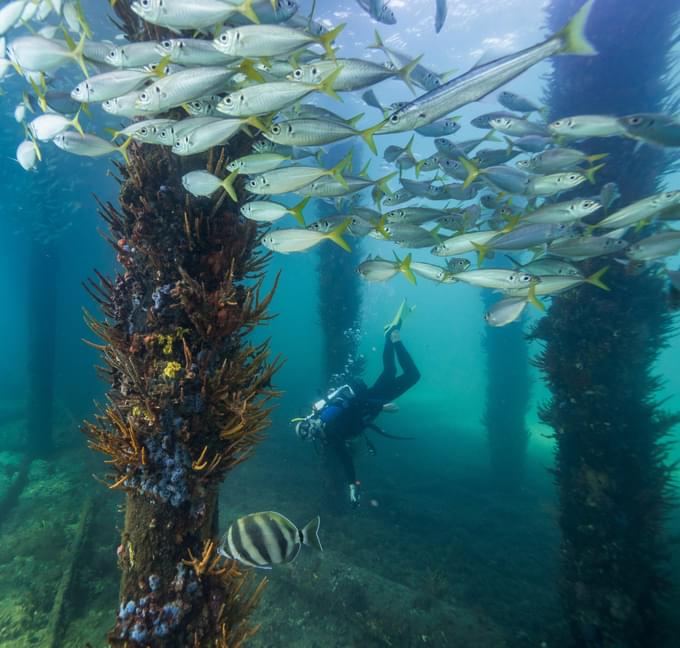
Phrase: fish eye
x=635 y=121
x=276 y=129
x=394 y=119
x=144 y=96
x=146 y=3
x=573 y=176
x=112 y=54
x=143 y=130
x=166 y=44
x=297 y=74
x=228 y=100
x=224 y=37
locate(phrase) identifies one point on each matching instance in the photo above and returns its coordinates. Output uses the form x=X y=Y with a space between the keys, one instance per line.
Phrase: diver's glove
x=354 y=496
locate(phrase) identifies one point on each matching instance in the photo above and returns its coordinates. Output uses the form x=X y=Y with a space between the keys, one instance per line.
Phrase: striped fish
x=267 y=538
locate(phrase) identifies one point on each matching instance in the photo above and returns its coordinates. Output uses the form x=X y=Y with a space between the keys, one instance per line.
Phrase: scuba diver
x=347 y=411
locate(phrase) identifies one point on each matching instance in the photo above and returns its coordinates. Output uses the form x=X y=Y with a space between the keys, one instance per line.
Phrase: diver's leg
x=389 y=371
x=410 y=376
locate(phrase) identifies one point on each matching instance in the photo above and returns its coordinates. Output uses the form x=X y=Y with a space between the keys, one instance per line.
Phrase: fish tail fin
x=573 y=34
x=326 y=40
x=434 y=232
x=256 y=123
x=489 y=137
x=472 y=171
x=482 y=251
x=510 y=145
x=77 y=51
x=404 y=73
x=380 y=227
x=76 y=123
x=381 y=183
x=42 y=102
x=419 y=167
x=353 y=121
x=297 y=210
x=409 y=147
x=595 y=279
x=590 y=173
x=246 y=9
x=310 y=534
x=36 y=148
x=326 y=85
x=247 y=67
x=336 y=235
x=405 y=268
x=364 y=172
x=378 y=44
x=533 y=300
x=161 y=69
x=367 y=136
x=596 y=157
x=81 y=20
x=122 y=149
x=228 y=185
x=336 y=171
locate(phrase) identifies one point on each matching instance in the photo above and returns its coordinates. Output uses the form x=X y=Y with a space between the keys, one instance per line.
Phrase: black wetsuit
x=368 y=404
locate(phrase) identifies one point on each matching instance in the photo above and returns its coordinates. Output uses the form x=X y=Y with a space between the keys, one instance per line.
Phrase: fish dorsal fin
x=490 y=55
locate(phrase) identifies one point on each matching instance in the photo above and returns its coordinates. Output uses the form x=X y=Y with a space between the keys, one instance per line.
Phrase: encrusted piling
x=599 y=351
x=188 y=395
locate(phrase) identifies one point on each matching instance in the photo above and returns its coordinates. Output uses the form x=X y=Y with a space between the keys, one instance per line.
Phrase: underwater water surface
x=463 y=525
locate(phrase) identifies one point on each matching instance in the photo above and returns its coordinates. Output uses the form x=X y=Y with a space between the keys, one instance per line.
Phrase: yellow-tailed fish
x=299 y=240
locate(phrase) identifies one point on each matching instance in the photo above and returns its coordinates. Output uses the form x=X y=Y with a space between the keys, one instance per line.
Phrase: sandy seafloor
x=439 y=558
x=397 y=572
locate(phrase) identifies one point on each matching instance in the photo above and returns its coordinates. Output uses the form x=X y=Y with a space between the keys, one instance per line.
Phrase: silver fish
x=657 y=246
x=516 y=102
x=197 y=14
x=505 y=311
x=584 y=126
x=485 y=78
x=659 y=129
x=641 y=210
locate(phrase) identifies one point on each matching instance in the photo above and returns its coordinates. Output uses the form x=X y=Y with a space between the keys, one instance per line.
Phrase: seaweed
x=188 y=394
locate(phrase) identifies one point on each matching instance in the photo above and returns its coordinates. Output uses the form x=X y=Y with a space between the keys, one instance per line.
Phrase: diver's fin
x=397 y=319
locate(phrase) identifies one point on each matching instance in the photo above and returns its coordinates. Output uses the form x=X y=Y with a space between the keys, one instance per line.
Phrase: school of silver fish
x=262 y=67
